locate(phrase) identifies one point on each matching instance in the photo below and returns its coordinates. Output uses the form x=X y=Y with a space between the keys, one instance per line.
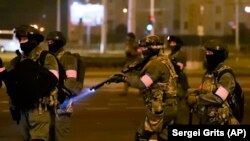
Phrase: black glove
x=117 y=78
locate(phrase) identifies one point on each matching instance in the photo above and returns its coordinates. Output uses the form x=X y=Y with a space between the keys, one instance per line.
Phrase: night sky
x=16 y=12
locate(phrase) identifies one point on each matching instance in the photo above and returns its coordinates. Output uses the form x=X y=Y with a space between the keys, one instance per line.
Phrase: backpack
x=81 y=66
x=28 y=82
x=182 y=80
x=63 y=91
x=236 y=99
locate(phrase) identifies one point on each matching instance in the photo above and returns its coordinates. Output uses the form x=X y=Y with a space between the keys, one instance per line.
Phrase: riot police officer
x=210 y=100
x=131 y=47
x=157 y=78
x=56 y=42
x=178 y=58
x=35 y=120
x=131 y=54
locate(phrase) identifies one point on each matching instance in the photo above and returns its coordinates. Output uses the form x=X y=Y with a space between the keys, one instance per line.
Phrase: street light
x=58 y=17
x=152 y=14
x=237 y=45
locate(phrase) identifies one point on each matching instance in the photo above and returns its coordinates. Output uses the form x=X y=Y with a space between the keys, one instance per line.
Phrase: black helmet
x=33 y=35
x=58 y=40
x=56 y=36
x=217 y=46
x=150 y=41
x=153 y=43
x=220 y=53
x=30 y=32
x=176 y=39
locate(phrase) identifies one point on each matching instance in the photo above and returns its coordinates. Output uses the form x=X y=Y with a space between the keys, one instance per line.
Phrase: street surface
x=104 y=115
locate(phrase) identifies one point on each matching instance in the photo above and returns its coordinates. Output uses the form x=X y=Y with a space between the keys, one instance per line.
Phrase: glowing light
x=91 y=14
x=42 y=29
x=124 y=10
x=34 y=25
x=81 y=95
x=149 y=27
x=247 y=9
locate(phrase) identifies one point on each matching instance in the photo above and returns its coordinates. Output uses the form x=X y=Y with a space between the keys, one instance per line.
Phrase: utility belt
x=46 y=104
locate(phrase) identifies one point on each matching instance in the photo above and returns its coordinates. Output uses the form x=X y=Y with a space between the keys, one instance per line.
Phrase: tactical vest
x=167 y=86
x=162 y=102
x=210 y=80
x=219 y=114
x=171 y=85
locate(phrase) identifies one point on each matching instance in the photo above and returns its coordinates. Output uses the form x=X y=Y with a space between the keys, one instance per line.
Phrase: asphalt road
x=104 y=115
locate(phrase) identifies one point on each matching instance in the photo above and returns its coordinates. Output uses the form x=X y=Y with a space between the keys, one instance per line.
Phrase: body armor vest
x=213 y=114
x=161 y=99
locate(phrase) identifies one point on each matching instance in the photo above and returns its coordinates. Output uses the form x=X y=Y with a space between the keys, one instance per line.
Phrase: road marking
x=96 y=108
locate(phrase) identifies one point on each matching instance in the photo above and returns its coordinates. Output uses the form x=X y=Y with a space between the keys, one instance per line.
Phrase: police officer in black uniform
x=210 y=100
x=158 y=80
x=131 y=54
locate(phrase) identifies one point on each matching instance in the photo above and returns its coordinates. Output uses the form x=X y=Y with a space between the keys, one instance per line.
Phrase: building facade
x=175 y=17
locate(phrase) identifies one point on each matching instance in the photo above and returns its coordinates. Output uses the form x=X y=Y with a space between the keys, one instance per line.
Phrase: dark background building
x=40 y=12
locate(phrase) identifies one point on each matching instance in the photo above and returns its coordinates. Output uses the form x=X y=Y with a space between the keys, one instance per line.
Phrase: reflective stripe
x=222 y=93
x=55 y=72
x=181 y=65
x=2 y=69
x=71 y=73
x=146 y=80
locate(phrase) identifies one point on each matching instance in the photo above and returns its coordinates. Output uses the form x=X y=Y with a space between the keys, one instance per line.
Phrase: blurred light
x=91 y=14
x=152 y=19
x=125 y=10
x=247 y=9
x=42 y=29
x=34 y=25
x=149 y=27
x=44 y=16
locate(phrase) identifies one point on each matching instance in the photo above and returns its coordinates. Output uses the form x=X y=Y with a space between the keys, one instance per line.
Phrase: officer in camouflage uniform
x=35 y=122
x=157 y=78
x=56 y=42
x=178 y=58
x=131 y=55
x=209 y=101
